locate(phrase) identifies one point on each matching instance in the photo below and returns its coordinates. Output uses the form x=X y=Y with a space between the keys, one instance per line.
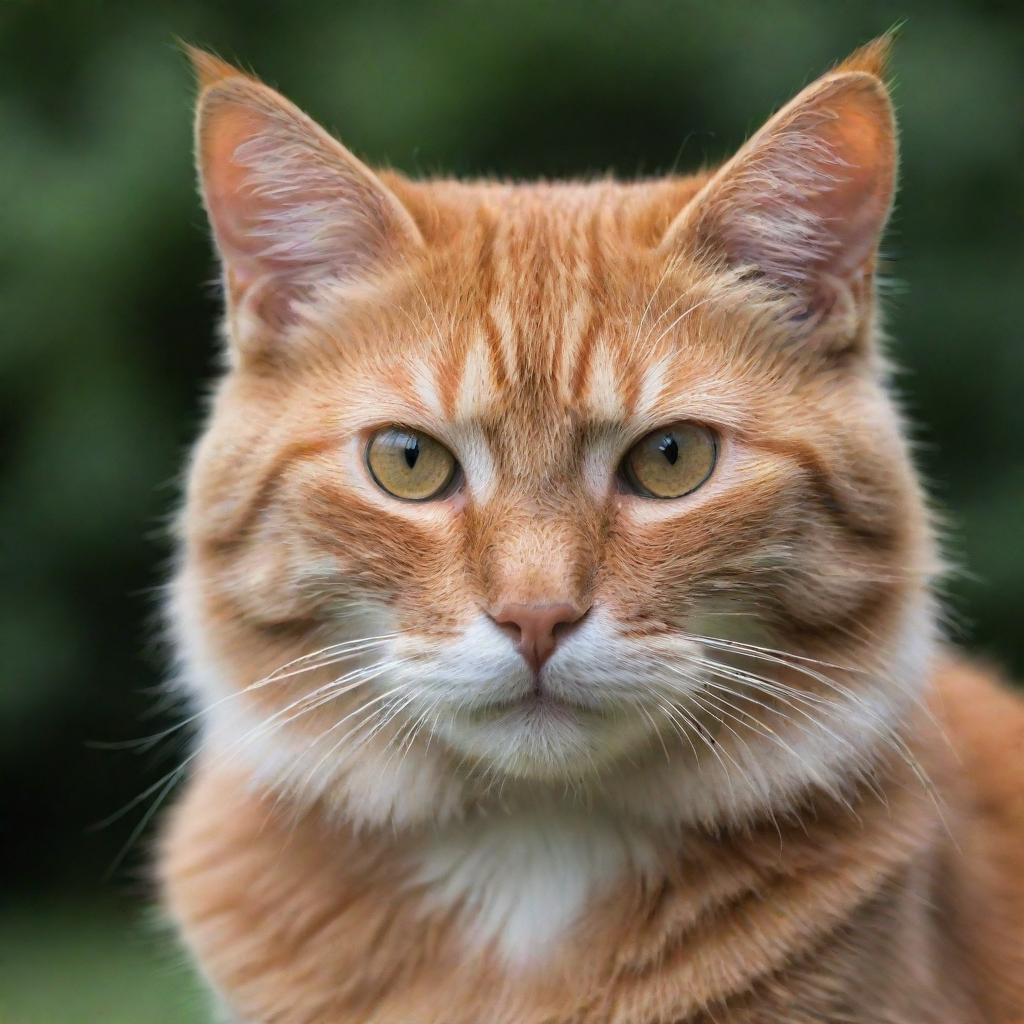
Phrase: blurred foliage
x=90 y=962
x=107 y=310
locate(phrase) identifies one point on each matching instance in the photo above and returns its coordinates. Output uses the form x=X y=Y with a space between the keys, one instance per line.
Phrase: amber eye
x=672 y=461
x=410 y=465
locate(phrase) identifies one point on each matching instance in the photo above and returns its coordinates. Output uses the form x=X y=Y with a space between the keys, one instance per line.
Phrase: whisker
x=670 y=266
x=816 y=723
x=885 y=730
x=419 y=722
x=682 y=316
x=737 y=645
x=146 y=743
x=716 y=748
x=360 y=710
x=345 y=648
x=656 y=731
x=163 y=786
x=327 y=693
x=746 y=717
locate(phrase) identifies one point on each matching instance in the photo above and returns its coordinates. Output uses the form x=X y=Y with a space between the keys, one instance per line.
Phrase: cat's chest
x=521 y=884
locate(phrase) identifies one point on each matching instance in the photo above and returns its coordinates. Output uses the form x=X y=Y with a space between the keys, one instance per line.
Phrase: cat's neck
x=488 y=919
x=521 y=879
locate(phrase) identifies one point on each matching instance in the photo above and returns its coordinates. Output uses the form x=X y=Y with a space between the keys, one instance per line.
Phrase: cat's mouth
x=544 y=735
x=538 y=703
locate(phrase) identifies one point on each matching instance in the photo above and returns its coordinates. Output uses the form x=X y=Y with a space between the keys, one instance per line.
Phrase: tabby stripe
x=885 y=535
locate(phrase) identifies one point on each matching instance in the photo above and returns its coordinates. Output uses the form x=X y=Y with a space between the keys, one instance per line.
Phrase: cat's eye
x=410 y=465
x=671 y=462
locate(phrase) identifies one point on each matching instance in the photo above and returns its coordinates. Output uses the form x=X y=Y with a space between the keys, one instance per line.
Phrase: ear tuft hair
x=872 y=58
x=210 y=69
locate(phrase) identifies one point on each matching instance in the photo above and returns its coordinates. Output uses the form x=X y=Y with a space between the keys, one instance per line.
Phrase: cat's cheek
x=266 y=582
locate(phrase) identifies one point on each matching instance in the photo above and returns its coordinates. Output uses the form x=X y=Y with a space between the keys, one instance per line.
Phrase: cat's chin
x=542 y=737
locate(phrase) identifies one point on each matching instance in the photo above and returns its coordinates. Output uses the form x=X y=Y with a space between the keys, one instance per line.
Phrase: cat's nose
x=537 y=628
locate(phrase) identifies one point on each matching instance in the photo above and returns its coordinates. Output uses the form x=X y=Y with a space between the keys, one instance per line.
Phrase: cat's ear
x=803 y=203
x=290 y=207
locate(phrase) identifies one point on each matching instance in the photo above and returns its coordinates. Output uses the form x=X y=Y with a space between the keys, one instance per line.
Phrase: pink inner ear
x=236 y=209
x=853 y=210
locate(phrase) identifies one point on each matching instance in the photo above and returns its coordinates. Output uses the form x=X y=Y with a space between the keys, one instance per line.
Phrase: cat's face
x=514 y=471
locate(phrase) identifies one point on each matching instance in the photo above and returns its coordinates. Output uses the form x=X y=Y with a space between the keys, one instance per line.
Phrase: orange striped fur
x=750 y=784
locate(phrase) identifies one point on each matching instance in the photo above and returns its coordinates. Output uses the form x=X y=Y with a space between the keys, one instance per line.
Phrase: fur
x=751 y=784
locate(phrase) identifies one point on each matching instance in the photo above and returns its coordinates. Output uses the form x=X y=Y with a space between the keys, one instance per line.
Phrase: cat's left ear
x=803 y=203
x=291 y=208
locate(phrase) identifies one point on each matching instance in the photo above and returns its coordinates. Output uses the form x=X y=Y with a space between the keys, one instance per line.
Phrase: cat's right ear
x=290 y=207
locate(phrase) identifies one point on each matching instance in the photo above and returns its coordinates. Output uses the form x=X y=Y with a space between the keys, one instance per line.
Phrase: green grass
x=65 y=963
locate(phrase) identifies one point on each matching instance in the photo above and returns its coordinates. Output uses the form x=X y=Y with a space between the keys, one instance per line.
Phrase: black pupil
x=668 y=447
x=412 y=450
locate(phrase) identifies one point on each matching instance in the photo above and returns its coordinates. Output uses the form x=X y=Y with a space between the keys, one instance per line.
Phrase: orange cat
x=557 y=594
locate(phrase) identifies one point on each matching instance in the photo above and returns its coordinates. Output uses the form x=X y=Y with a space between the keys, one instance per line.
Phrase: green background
x=106 y=327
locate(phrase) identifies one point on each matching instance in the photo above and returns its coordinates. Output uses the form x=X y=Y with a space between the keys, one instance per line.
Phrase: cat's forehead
x=544 y=326
x=549 y=301
x=521 y=360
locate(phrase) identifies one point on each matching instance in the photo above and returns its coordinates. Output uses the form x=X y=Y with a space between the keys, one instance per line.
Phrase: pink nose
x=537 y=628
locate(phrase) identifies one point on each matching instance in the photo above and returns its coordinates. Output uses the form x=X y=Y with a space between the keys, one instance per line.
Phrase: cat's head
x=586 y=485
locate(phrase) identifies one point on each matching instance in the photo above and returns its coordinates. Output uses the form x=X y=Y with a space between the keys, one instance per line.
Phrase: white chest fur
x=521 y=881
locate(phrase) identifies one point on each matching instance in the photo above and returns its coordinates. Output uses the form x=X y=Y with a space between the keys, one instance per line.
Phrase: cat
x=558 y=598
